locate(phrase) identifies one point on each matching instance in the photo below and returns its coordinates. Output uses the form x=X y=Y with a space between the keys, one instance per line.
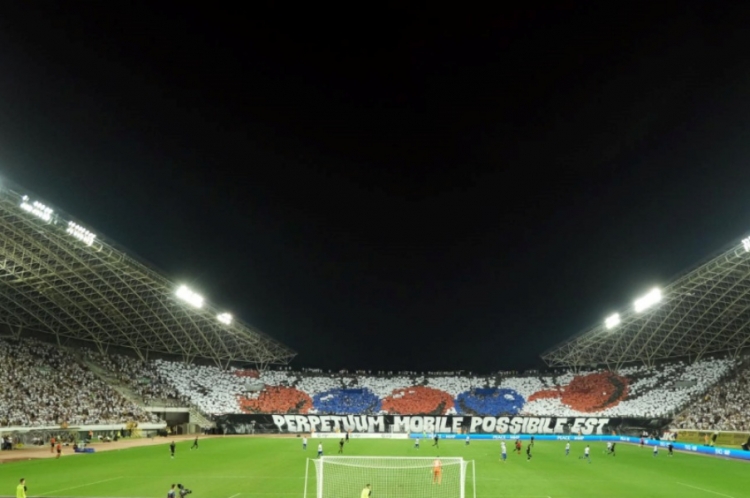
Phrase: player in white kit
x=586 y=454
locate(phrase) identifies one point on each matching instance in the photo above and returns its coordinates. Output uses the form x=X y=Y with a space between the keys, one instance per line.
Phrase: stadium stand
x=418 y=399
x=138 y=375
x=55 y=387
x=276 y=399
x=725 y=407
x=64 y=282
x=127 y=305
x=634 y=392
x=43 y=385
x=210 y=388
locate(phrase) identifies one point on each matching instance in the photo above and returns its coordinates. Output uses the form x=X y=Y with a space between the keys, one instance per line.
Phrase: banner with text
x=455 y=424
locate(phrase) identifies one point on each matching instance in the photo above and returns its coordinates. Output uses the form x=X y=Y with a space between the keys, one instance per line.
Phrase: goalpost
x=389 y=477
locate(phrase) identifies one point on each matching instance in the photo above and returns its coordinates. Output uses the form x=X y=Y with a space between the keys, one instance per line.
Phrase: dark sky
x=390 y=188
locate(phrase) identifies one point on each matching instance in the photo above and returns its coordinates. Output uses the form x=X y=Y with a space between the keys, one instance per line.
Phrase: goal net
x=389 y=477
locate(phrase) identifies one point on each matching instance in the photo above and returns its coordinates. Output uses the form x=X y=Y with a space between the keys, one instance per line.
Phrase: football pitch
x=243 y=467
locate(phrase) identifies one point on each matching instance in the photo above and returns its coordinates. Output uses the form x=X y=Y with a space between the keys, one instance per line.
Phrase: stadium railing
x=723 y=438
x=687 y=447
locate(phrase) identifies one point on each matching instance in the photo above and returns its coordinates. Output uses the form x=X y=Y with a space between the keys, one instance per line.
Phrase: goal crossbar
x=383 y=462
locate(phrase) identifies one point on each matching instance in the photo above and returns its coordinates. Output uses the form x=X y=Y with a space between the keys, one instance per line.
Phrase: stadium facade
x=59 y=277
x=703 y=312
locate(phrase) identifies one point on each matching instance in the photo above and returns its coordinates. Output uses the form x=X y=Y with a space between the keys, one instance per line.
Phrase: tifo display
x=634 y=392
x=487 y=403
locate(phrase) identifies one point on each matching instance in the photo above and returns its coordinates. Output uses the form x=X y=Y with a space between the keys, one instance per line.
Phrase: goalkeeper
x=366 y=492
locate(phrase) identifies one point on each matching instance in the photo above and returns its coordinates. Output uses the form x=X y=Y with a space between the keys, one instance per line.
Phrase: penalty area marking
x=79 y=486
x=706 y=490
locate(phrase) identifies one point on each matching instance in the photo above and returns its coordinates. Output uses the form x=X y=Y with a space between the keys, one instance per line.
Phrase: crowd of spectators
x=725 y=407
x=41 y=385
x=138 y=375
x=634 y=392
x=400 y=373
x=209 y=388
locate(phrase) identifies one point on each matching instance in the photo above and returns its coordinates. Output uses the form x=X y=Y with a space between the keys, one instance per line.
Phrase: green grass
x=275 y=468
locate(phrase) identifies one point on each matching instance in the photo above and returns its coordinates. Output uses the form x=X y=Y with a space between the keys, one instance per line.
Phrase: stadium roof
x=58 y=277
x=707 y=310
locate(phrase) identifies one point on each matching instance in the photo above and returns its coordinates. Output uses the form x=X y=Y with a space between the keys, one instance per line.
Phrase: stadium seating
x=418 y=399
x=140 y=376
x=211 y=389
x=346 y=401
x=490 y=401
x=55 y=388
x=42 y=385
x=725 y=407
x=635 y=392
x=276 y=399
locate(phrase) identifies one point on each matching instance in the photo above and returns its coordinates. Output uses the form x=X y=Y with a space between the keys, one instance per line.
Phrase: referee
x=366 y=492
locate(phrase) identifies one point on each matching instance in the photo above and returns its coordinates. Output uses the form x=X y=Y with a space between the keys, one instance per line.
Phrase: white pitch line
x=235 y=496
x=79 y=486
x=706 y=490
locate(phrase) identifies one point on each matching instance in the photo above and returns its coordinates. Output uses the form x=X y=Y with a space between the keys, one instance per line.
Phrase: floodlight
x=36 y=208
x=224 y=318
x=746 y=244
x=612 y=321
x=80 y=233
x=193 y=299
x=648 y=300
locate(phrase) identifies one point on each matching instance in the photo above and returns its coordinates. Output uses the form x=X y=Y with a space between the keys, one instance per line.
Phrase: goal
x=389 y=477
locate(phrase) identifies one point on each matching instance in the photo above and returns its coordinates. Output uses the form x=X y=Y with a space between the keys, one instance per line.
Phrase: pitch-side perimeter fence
x=692 y=448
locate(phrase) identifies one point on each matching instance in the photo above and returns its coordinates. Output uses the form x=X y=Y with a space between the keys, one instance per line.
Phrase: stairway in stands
x=196 y=416
x=111 y=380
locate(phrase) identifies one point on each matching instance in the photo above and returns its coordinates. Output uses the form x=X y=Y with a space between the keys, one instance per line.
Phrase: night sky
x=390 y=188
